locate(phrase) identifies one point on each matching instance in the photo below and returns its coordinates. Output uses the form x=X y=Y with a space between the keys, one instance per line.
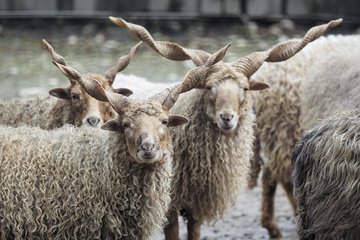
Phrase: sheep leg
x=288 y=187
x=267 y=204
x=193 y=227
x=171 y=230
x=255 y=165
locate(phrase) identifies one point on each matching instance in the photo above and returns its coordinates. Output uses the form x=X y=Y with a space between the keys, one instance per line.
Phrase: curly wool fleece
x=326 y=177
x=78 y=184
x=45 y=112
x=209 y=166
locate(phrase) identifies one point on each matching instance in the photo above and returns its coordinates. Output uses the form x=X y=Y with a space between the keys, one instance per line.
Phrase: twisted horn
x=122 y=63
x=281 y=52
x=168 y=50
x=54 y=55
x=91 y=86
x=94 y=89
x=161 y=96
x=195 y=78
x=117 y=101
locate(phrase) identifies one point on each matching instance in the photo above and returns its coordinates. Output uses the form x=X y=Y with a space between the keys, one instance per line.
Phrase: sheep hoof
x=274 y=233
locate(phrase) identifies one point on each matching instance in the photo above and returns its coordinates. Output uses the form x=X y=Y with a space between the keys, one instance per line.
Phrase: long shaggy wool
x=277 y=111
x=75 y=183
x=315 y=83
x=45 y=112
x=332 y=83
x=326 y=174
x=209 y=166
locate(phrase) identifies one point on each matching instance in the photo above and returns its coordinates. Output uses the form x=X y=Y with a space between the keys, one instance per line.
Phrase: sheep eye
x=208 y=87
x=125 y=124
x=165 y=121
x=75 y=96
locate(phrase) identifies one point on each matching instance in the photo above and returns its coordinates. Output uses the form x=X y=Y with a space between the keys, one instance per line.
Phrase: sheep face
x=225 y=97
x=146 y=136
x=87 y=111
x=146 y=131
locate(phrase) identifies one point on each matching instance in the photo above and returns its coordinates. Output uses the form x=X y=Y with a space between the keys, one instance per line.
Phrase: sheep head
x=227 y=84
x=143 y=122
x=87 y=110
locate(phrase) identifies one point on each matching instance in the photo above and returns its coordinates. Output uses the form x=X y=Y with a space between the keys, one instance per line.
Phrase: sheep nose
x=226 y=117
x=147 y=147
x=93 y=121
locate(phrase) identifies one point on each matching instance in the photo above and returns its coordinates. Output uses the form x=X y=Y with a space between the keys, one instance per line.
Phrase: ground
x=242 y=222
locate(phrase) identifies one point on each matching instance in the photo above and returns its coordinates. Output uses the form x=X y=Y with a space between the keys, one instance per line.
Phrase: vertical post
x=223 y=7
x=11 y=5
x=243 y=6
x=65 y=4
x=146 y=8
x=284 y=7
x=175 y=5
x=199 y=6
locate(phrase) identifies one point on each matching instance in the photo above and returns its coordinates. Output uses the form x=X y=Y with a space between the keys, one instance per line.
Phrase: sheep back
x=77 y=183
x=209 y=166
x=326 y=177
x=332 y=83
x=45 y=112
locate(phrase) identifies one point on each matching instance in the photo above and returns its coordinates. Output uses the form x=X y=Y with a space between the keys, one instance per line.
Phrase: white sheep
x=332 y=83
x=72 y=104
x=213 y=151
x=76 y=183
x=326 y=176
x=323 y=81
x=332 y=86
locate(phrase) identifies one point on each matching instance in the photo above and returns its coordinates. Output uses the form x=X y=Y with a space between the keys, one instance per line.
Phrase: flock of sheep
x=190 y=148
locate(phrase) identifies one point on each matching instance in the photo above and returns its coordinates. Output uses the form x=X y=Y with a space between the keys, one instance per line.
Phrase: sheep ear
x=256 y=85
x=112 y=125
x=63 y=93
x=176 y=120
x=123 y=91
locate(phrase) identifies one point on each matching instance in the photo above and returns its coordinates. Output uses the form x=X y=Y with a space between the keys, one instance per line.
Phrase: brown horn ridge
x=170 y=50
x=122 y=63
x=281 y=52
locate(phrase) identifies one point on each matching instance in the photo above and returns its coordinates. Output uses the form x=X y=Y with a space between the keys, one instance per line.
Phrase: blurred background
x=80 y=31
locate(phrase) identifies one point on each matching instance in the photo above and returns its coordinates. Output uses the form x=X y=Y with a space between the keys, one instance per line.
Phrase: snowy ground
x=242 y=222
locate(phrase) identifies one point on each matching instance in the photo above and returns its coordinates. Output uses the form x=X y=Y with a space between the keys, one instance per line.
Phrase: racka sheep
x=332 y=83
x=324 y=81
x=326 y=175
x=73 y=105
x=212 y=153
x=76 y=183
x=277 y=113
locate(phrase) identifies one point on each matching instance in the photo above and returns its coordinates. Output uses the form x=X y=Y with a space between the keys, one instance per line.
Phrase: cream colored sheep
x=72 y=104
x=213 y=151
x=324 y=81
x=76 y=183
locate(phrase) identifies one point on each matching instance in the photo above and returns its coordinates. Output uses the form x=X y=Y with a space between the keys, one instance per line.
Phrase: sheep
x=326 y=170
x=331 y=82
x=332 y=86
x=277 y=113
x=75 y=183
x=73 y=105
x=212 y=152
x=311 y=92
